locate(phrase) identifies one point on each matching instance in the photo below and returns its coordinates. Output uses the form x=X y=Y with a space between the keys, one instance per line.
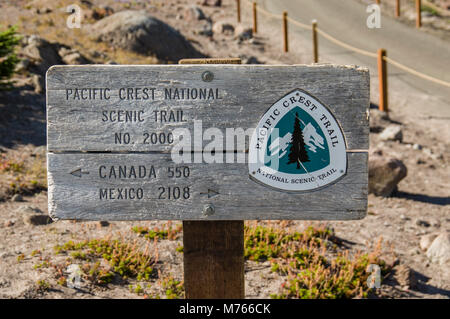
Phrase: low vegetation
x=312 y=263
x=168 y=231
x=22 y=174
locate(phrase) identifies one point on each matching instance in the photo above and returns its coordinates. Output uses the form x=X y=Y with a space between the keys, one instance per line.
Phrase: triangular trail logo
x=298 y=145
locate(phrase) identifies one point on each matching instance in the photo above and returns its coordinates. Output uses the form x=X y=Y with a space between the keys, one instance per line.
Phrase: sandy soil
x=419 y=207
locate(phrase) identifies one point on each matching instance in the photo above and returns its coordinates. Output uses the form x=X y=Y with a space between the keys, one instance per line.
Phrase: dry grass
x=22 y=173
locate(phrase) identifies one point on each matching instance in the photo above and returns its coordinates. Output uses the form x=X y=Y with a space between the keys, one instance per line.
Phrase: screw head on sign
x=207 y=76
x=208 y=210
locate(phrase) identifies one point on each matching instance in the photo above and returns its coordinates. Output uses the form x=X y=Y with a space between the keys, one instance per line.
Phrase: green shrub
x=8 y=59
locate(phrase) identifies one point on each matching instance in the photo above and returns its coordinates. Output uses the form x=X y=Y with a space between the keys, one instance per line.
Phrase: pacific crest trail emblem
x=298 y=145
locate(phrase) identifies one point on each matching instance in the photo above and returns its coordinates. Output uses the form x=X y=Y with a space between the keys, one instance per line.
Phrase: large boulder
x=385 y=173
x=139 y=32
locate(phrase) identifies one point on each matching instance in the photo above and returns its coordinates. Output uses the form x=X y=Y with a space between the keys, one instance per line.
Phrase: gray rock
x=222 y=27
x=422 y=223
x=17 y=198
x=392 y=133
x=426 y=240
x=206 y=29
x=384 y=174
x=439 y=250
x=243 y=33
x=250 y=60
x=194 y=13
x=417 y=146
x=139 y=32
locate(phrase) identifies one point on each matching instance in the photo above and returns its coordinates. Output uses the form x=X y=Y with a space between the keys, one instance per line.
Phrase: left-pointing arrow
x=78 y=173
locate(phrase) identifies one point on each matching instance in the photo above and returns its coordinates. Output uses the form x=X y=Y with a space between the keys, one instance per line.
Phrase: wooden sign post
x=213 y=250
x=208 y=142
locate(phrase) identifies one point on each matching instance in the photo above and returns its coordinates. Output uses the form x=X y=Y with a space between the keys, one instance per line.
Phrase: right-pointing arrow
x=210 y=193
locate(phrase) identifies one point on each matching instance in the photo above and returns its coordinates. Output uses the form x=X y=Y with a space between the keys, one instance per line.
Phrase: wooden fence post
x=382 y=79
x=418 y=13
x=285 y=32
x=397 y=8
x=238 y=5
x=213 y=250
x=315 y=42
x=255 y=19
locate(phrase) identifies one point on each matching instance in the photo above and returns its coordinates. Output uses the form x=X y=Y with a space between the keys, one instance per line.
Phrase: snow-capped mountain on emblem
x=298 y=145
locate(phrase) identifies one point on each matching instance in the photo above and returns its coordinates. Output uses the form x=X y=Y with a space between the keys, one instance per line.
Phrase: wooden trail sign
x=112 y=129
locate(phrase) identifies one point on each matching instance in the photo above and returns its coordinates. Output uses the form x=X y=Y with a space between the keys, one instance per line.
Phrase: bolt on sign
x=207 y=142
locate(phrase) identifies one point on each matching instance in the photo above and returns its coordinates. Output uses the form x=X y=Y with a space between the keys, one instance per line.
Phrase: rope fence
x=380 y=55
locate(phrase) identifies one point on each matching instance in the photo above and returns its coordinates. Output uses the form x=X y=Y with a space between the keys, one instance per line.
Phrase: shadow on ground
x=435 y=200
x=22 y=117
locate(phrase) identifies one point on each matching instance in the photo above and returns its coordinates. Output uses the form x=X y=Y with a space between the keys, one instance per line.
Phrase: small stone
x=403 y=217
x=417 y=147
x=206 y=29
x=426 y=240
x=194 y=13
x=392 y=133
x=422 y=223
x=243 y=33
x=17 y=198
x=223 y=27
x=439 y=250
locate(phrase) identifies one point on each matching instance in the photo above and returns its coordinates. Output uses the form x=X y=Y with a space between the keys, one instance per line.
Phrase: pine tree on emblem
x=298 y=152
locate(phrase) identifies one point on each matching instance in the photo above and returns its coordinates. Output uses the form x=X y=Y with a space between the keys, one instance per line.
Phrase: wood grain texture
x=238 y=198
x=213 y=259
x=246 y=92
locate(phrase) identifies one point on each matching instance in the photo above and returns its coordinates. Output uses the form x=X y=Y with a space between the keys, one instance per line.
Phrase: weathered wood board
x=241 y=94
x=94 y=176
